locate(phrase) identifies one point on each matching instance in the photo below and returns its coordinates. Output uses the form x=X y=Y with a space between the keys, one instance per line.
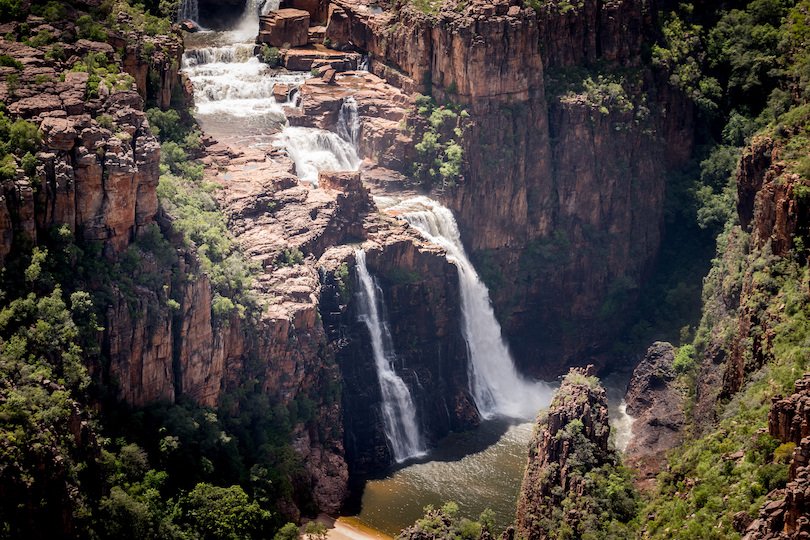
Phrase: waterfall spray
x=398 y=410
x=496 y=386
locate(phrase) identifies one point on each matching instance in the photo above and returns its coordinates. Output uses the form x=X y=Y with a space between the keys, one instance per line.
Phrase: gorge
x=268 y=261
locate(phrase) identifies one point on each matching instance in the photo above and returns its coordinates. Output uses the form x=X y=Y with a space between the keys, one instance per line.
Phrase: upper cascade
x=348 y=126
x=496 y=386
x=398 y=409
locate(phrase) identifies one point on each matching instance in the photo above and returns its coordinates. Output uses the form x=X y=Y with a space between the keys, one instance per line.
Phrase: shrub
x=88 y=28
x=684 y=359
x=8 y=61
x=290 y=257
x=11 y=9
x=270 y=55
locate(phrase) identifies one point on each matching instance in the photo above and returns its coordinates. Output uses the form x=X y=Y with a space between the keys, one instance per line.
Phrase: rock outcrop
x=657 y=406
x=284 y=28
x=570 y=440
x=786 y=514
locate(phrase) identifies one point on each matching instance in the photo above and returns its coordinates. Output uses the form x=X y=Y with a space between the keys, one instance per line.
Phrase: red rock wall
x=542 y=171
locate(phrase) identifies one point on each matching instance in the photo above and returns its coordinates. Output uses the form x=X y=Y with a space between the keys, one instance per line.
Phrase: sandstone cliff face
x=571 y=439
x=548 y=171
x=420 y=292
x=786 y=513
x=657 y=407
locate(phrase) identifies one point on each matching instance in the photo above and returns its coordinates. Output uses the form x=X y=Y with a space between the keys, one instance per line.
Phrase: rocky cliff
x=565 y=163
x=563 y=485
x=785 y=514
x=97 y=173
x=656 y=403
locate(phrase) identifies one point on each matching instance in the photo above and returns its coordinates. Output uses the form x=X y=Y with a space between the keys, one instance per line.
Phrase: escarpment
x=560 y=172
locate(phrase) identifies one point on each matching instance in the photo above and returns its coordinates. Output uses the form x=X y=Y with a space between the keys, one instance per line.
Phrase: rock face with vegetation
x=542 y=192
x=787 y=512
x=573 y=483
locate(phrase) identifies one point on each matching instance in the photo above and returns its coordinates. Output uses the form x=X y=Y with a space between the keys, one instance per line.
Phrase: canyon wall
x=561 y=201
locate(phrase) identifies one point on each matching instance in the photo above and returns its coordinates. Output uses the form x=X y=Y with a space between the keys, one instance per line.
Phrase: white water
x=496 y=386
x=348 y=126
x=248 y=26
x=399 y=412
x=231 y=81
x=233 y=94
x=188 y=9
x=270 y=5
x=315 y=150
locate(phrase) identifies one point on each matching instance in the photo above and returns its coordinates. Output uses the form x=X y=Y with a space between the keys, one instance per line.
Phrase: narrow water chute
x=398 y=409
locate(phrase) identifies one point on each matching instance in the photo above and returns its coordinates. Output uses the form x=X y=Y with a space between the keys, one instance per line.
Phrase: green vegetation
x=428 y=7
x=189 y=199
x=18 y=140
x=102 y=70
x=444 y=523
x=270 y=55
x=439 y=130
x=608 y=503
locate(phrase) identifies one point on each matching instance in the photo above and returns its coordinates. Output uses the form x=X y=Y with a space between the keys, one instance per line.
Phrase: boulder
x=284 y=28
x=58 y=133
x=657 y=405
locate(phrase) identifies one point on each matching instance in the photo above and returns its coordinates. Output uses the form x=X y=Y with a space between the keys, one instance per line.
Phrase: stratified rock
x=284 y=28
x=657 y=407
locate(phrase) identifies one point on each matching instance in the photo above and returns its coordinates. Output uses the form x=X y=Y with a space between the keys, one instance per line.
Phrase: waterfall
x=399 y=413
x=188 y=9
x=230 y=81
x=315 y=150
x=270 y=5
x=363 y=64
x=496 y=386
x=248 y=26
x=348 y=126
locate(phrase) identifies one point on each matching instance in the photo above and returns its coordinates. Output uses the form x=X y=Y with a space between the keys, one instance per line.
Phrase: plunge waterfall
x=495 y=384
x=398 y=410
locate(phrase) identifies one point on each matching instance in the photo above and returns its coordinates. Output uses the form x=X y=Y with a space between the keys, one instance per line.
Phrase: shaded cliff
x=656 y=401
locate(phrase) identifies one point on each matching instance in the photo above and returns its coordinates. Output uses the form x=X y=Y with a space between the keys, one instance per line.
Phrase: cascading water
x=348 y=126
x=398 y=410
x=233 y=91
x=496 y=386
x=233 y=95
x=315 y=150
x=269 y=6
x=188 y=10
